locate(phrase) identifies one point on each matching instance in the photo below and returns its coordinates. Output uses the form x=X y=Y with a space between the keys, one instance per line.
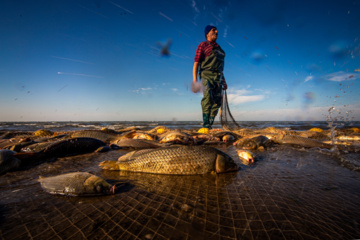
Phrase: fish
x=36 y=147
x=247 y=157
x=349 y=138
x=300 y=141
x=76 y=184
x=253 y=143
x=315 y=135
x=8 y=161
x=72 y=146
x=147 y=136
x=17 y=147
x=137 y=143
x=228 y=138
x=106 y=137
x=177 y=137
x=201 y=138
x=182 y=160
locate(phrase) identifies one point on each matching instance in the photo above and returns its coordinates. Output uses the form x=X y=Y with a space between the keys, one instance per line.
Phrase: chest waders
x=211 y=75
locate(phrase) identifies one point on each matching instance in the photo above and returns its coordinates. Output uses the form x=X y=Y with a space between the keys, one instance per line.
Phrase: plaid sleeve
x=199 y=52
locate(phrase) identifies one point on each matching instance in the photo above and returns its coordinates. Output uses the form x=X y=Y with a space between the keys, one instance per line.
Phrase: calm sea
x=146 y=125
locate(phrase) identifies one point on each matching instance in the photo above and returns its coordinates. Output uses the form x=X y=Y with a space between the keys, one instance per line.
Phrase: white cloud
x=309 y=78
x=235 y=99
x=238 y=96
x=141 y=90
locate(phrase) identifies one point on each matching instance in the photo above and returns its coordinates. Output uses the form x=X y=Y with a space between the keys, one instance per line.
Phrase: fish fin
x=219 y=164
x=109 y=165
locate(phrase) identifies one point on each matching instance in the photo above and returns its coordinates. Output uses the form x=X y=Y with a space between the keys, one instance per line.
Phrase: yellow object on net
x=160 y=130
x=316 y=130
x=204 y=130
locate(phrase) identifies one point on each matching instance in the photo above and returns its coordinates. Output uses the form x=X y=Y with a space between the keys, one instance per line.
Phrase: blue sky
x=99 y=60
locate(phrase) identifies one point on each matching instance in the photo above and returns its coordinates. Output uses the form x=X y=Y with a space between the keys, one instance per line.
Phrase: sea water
x=115 y=125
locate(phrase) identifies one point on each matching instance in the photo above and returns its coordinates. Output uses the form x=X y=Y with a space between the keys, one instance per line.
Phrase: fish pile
x=158 y=151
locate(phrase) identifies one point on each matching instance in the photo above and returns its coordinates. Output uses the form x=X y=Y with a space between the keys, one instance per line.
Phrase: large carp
x=253 y=143
x=101 y=135
x=76 y=184
x=177 y=137
x=72 y=146
x=183 y=160
x=300 y=141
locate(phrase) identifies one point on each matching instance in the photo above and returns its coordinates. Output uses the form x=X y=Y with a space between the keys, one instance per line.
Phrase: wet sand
x=288 y=194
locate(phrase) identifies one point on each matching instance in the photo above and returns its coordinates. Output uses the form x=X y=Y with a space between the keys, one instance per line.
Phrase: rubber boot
x=211 y=121
x=206 y=122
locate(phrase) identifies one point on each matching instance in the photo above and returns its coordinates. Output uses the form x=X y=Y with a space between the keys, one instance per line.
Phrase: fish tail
x=109 y=165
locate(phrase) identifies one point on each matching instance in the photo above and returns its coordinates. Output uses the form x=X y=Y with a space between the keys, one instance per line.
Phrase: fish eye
x=99 y=188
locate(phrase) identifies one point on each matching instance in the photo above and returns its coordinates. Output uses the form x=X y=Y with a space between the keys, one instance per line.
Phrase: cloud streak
x=121 y=7
x=73 y=60
x=340 y=76
x=79 y=74
x=242 y=96
x=168 y=18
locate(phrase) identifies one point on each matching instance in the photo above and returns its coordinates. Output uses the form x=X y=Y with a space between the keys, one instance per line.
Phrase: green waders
x=211 y=77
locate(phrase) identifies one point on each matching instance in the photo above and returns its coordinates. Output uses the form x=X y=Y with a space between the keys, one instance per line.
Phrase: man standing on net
x=209 y=63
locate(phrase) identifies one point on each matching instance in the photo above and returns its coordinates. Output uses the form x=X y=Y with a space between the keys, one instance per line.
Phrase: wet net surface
x=287 y=194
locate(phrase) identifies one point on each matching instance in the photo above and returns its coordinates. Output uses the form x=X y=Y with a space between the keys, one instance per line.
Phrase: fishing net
x=227 y=120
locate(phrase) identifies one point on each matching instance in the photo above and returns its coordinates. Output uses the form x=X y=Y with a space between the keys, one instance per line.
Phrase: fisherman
x=209 y=63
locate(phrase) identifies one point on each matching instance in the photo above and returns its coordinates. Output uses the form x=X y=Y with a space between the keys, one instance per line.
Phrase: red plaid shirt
x=204 y=50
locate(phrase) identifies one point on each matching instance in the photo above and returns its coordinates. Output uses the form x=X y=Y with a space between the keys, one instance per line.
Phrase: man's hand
x=196 y=87
x=224 y=85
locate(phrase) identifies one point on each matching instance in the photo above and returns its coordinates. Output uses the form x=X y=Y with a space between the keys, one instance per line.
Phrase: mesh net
x=227 y=120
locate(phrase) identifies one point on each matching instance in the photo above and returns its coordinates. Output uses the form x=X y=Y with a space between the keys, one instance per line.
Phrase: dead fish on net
x=8 y=161
x=201 y=138
x=137 y=143
x=146 y=136
x=254 y=143
x=177 y=138
x=36 y=147
x=320 y=136
x=246 y=156
x=226 y=136
x=300 y=141
x=349 y=138
x=73 y=146
x=76 y=184
x=183 y=160
x=102 y=136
